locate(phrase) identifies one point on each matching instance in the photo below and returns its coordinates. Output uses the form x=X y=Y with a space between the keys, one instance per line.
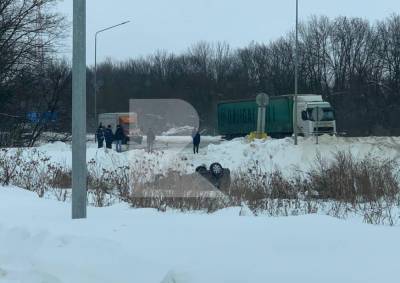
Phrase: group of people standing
x=107 y=135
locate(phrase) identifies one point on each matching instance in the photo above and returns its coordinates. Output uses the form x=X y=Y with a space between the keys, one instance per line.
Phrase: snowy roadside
x=38 y=242
x=237 y=154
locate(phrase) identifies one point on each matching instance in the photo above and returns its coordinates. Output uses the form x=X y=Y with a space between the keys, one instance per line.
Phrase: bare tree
x=29 y=34
x=54 y=89
x=28 y=31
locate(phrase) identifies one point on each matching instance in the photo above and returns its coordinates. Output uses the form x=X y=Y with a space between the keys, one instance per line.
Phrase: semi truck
x=314 y=116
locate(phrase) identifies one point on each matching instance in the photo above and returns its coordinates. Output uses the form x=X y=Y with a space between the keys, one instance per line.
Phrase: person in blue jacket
x=196 y=141
x=109 y=137
x=100 y=136
x=119 y=137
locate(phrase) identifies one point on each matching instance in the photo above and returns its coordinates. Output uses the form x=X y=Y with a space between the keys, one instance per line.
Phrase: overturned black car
x=218 y=176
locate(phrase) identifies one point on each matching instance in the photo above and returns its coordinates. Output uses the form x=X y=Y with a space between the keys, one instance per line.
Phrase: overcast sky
x=174 y=25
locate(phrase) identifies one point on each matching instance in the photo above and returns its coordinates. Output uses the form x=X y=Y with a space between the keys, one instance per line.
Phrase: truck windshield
x=329 y=114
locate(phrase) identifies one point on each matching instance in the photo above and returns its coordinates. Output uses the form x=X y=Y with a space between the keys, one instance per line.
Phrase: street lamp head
x=111 y=27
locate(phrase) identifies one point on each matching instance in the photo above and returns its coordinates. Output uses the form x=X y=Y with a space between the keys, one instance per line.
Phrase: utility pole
x=262 y=101
x=79 y=170
x=296 y=74
x=95 y=80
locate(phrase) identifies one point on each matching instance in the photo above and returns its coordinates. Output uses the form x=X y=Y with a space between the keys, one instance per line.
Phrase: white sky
x=174 y=25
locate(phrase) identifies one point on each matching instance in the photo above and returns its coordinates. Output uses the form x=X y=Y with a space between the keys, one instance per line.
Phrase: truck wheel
x=216 y=169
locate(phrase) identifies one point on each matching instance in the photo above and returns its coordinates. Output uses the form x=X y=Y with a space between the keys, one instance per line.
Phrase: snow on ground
x=179 y=131
x=239 y=154
x=39 y=243
x=283 y=154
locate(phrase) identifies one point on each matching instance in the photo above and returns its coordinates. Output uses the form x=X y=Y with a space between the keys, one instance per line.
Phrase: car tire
x=216 y=170
x=202 y=170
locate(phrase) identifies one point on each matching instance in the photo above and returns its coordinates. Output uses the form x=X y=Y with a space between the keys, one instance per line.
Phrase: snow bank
x=237 y=155
x=39 y=243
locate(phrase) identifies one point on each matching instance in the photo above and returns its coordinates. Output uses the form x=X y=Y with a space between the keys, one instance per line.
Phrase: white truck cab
x=314 y=115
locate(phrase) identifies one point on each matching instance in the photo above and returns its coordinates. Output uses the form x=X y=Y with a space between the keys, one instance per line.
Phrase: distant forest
x=353 y=63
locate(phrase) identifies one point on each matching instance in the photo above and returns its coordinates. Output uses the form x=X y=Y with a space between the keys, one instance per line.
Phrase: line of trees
x=354 y=64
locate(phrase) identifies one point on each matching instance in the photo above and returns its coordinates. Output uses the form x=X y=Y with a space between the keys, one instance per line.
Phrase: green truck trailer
x=239 y=118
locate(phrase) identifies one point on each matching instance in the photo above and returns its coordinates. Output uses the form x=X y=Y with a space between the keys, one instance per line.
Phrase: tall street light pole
x=79 y=173
x=95 y=64
x=296 y=74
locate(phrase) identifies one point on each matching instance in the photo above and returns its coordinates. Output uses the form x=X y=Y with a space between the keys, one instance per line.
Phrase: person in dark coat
x=119 y=137
x=151 y=137
x=196 y=141
x=109 y=137
x=100 y=136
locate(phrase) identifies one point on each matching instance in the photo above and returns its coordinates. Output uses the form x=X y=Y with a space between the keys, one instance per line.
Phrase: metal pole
x=263 y=114
x=259 y=121
x=317 y=124
x=95 y=78
x=296 y=62
x=79 y=174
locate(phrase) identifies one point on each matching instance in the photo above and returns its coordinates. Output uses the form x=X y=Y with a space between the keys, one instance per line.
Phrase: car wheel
x=201 y=169
x=216 y=169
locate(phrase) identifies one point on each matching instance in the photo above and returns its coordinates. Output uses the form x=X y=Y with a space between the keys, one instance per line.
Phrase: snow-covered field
x=39 y=243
